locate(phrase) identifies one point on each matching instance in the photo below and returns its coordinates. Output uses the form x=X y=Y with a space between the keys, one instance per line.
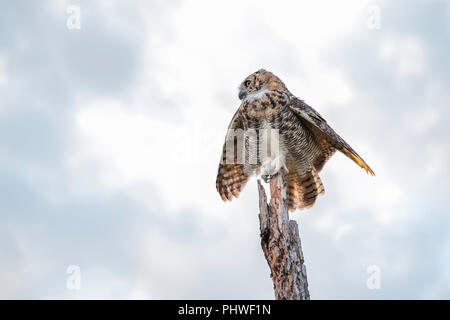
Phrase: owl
x=271 y=130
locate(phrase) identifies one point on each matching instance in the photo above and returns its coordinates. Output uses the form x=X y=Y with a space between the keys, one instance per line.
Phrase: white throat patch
x=256 y=95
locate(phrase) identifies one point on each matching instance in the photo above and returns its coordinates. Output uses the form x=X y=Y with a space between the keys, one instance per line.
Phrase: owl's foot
x=268 y=177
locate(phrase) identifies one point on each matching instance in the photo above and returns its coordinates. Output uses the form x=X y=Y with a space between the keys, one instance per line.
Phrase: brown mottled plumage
x=304 y=142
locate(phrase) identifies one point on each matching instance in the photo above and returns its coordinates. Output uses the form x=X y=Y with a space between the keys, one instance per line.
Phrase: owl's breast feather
x=273 y=151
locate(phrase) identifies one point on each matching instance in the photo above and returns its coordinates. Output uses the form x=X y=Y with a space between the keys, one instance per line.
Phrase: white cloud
x=405 y=53
x=3 y=73
x=421 y=120
x=59 y=6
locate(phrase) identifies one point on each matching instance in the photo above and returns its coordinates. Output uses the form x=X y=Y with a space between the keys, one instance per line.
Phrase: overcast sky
x=110 y=137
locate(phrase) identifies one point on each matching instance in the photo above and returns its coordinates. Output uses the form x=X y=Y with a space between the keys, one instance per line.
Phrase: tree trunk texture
x=280 y=242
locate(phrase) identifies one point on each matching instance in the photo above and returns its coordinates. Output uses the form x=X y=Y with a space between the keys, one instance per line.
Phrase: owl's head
x=259 y=82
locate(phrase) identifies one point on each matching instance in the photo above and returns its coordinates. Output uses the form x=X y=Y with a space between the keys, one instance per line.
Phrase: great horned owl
x=272 y=129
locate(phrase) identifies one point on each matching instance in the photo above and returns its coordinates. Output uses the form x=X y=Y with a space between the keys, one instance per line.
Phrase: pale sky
x=111 y=136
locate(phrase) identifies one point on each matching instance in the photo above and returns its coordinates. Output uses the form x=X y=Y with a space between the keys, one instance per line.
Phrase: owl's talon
x=268 y=177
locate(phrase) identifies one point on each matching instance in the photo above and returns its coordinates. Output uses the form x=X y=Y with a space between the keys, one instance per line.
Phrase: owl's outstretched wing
x=232 y=174
x=325 y=134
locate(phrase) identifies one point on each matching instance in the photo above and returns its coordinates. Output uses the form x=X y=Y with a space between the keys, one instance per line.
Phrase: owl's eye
x=247 y=83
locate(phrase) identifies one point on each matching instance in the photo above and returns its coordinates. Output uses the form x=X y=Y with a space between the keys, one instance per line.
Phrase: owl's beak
x=242 y=94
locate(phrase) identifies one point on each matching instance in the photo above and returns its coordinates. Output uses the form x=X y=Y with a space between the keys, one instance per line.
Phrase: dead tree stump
x=280 y=242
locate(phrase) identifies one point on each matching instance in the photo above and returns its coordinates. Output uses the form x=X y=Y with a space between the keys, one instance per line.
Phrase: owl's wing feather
x=232 y=175
x=323 y=131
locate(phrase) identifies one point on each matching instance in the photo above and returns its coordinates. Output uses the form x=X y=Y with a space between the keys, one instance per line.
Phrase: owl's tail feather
x=302 y=191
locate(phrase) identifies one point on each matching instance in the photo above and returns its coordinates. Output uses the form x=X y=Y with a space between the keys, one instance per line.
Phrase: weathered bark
x=280 y=242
